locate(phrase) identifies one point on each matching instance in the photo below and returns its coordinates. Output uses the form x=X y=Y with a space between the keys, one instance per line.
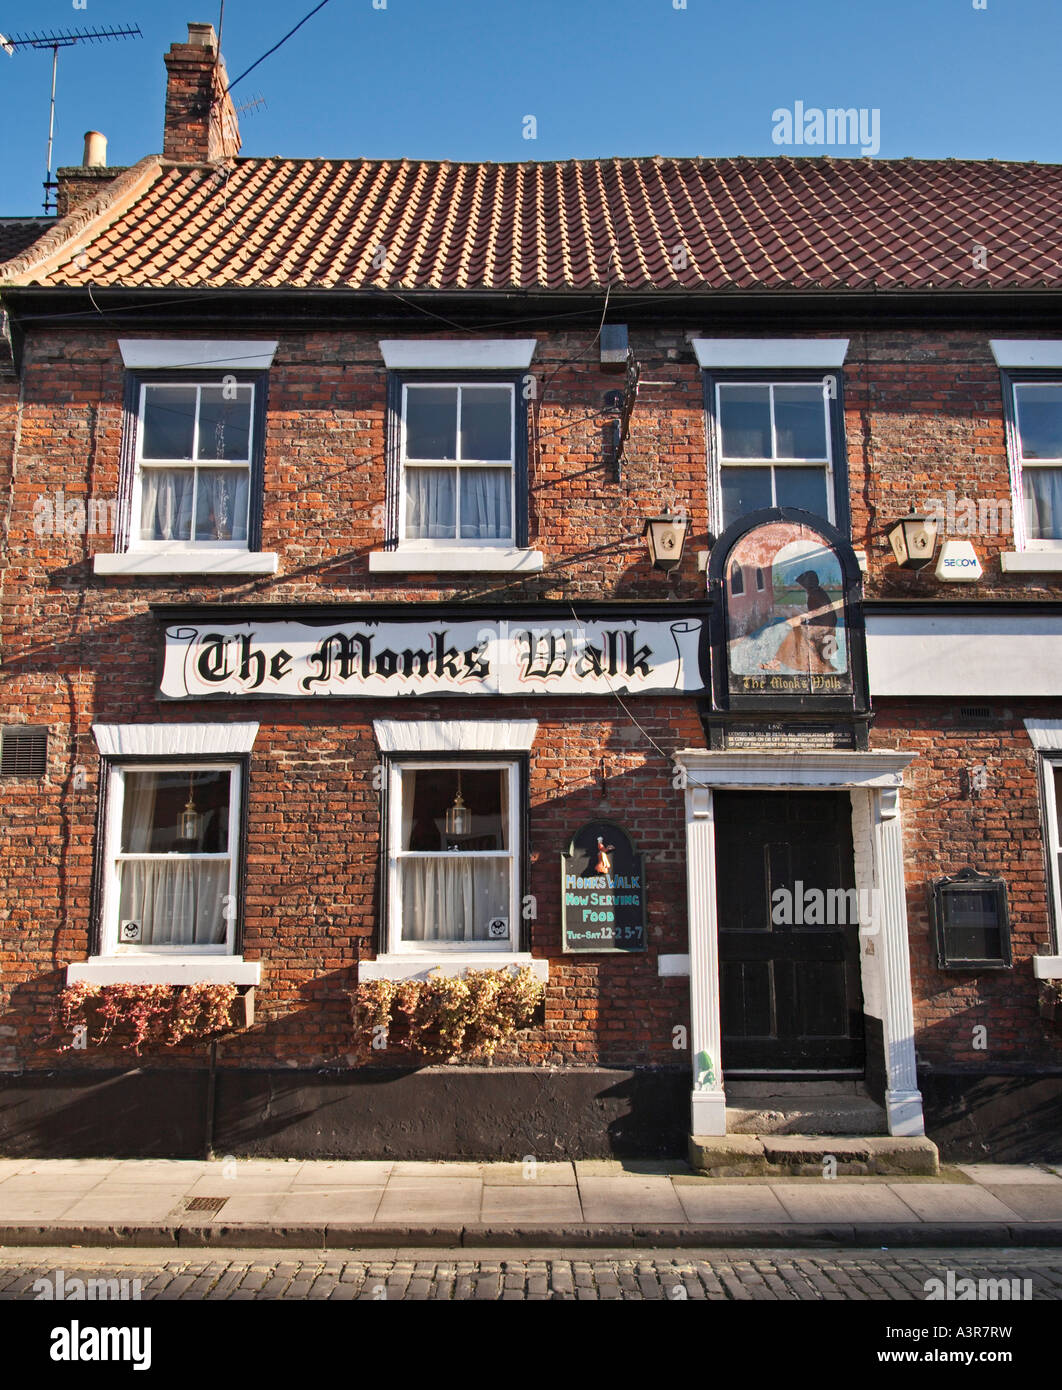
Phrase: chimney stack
x=201 y=125
x=77 y=183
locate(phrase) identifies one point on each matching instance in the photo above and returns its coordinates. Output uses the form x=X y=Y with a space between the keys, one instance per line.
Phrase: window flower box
x=445 y=1016
x=138 y=1015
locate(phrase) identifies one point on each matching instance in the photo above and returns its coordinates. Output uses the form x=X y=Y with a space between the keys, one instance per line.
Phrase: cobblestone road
x=524 y=1275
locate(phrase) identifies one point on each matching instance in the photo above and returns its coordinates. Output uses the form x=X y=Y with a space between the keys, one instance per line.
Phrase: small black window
x=23 y=752
x=971 y=922
x=737 y=581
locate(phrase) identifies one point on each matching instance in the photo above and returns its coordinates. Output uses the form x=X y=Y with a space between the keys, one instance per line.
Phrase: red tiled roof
x=637 y=224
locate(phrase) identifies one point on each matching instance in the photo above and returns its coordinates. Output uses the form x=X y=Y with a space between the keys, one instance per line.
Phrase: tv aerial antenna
x=55 y=41
x=251 y=106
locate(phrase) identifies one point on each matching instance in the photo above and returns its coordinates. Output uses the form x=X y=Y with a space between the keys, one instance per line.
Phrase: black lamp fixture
x=913 y=539
x=667 y=537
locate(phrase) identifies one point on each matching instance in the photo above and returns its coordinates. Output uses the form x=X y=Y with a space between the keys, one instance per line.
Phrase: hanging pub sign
x=294 y=655
x=602 y=891
x=789 y=625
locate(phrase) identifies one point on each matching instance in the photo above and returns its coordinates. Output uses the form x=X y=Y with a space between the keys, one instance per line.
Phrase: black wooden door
x=789 y=966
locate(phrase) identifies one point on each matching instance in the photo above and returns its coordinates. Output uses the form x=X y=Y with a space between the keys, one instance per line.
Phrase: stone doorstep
x=804 y=1155
x=845 y=1116
x=841 y=1107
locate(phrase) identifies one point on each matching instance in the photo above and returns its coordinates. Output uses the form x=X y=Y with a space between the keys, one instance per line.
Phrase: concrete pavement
x=598 y=1203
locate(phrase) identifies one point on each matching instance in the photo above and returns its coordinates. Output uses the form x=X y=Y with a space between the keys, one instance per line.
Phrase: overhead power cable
x=277 y=45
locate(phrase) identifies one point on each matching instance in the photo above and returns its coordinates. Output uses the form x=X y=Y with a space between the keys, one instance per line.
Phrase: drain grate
x=205 y=1203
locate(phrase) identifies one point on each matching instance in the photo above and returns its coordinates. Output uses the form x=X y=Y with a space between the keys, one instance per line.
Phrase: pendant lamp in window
x=458 y=817
x=188 y=824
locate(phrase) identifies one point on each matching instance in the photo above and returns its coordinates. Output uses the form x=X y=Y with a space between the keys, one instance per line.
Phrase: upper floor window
x=776 y=426
x=191 y=481
x=194 y=449
x=458 y=463
x=1036 y=442
x=456 y=493
x=775 y=446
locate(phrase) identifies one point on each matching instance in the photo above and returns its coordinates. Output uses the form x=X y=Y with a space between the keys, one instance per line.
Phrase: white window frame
x=1018 y=465
x=110 y=947
x=457 y=541
x=722 y=462
x=396 y=945
x=1052 y=832
x=190 y=546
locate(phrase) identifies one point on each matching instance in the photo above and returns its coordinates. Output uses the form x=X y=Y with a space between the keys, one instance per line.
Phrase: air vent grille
x=975 y=714
x=23 y=752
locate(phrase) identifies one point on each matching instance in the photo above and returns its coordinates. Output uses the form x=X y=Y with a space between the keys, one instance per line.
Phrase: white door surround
x=874 y=781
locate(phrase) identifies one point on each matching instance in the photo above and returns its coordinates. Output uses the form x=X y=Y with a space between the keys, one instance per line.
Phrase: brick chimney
x=77 y=183
x=201 y=125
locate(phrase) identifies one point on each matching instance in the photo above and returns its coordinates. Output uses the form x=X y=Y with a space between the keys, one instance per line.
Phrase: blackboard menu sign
x=602 y=891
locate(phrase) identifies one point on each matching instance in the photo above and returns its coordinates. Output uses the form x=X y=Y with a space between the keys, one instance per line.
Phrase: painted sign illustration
x=395 y=657
x=602 y=891
x=786 y=631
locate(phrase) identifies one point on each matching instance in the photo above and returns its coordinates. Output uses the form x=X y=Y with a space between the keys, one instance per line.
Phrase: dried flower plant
x=142 y=1015
x=445 y=1016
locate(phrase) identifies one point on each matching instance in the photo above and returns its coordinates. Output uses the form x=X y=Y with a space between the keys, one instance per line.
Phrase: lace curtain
x=453 y=897
x=1043 y=502
x=167 y=499
x=431 y=504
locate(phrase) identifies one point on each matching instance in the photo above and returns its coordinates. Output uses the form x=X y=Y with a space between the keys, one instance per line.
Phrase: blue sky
x=457 y=78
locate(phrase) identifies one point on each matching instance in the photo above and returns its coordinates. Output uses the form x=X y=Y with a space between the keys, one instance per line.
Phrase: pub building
x=641 y=571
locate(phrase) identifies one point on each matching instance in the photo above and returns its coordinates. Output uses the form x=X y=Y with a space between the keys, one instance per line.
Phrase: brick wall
x=948 y=825
x=923 y=415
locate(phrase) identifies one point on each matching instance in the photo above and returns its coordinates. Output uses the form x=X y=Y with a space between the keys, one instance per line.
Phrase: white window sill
x=418 y=967
x=483 y=559
x=187 y=562
x=149 y=969
x=1031 y=561
x=1047 y=967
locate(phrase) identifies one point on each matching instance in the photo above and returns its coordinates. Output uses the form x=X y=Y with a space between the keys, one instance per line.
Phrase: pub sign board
x=602 y=891
x=789 y=625
x=299 y=657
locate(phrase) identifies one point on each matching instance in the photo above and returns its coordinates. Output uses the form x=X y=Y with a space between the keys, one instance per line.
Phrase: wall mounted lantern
x=667 y=536
x=913 y=539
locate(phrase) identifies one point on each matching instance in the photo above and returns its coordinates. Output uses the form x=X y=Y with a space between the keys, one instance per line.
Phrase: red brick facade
x=923 y=414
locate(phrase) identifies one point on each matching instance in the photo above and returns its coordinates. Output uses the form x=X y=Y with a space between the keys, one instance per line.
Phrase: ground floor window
x=453 y=855
x=172 y=834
